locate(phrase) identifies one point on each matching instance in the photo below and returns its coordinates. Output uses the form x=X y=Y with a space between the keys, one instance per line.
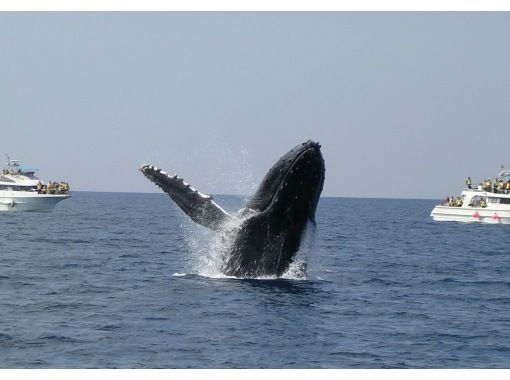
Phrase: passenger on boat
x=62 y=188
x=483 y=204
x=500 y=186
x=458 y=202
x=39 y=187
x=486 y=186
x=468 y=182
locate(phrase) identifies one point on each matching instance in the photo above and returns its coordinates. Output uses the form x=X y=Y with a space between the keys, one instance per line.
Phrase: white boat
x=483 y=204
x=22 y=190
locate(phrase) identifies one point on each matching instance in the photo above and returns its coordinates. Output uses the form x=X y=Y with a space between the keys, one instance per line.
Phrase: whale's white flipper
x=201 y=208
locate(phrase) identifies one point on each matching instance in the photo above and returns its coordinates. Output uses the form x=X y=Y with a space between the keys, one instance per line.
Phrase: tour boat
x=484 y=204
x=22 y=190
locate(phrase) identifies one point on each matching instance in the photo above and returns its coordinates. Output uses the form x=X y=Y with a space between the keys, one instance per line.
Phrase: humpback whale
x=272 y=224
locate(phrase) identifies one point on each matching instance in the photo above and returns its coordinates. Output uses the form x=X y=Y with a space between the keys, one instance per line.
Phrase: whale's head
x=291 y=189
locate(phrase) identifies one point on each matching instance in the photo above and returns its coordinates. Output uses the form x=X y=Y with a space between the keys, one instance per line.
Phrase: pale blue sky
x=404 y=104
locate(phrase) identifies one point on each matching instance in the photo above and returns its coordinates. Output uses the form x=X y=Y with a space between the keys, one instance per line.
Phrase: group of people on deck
x=53 y=188
x=496 y=186
x=453 y=202
x=11 y=172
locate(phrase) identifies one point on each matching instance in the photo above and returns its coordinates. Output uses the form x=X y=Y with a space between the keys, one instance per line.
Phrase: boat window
x=505 y=201
x=9 y=188
x=475 y=201
x=493 y=200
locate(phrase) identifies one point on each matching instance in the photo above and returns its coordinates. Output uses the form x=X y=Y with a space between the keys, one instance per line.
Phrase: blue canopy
x=27 y=169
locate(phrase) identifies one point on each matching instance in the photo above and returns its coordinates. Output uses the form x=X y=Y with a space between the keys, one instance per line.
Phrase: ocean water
x=126 y=281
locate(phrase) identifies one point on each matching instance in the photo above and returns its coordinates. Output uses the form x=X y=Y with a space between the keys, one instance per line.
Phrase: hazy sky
x=404 y=104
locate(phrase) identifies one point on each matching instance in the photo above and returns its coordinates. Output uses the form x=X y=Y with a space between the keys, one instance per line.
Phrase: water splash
x=219 y=247
x=208 y=249
x=298 y=269
x=198 y=239
x=237 y=173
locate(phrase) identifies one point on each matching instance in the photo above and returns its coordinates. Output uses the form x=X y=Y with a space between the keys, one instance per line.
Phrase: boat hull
x=18 y=201
x=470 y=215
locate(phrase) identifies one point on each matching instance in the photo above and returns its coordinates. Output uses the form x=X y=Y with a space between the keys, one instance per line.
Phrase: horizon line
x=242 y=195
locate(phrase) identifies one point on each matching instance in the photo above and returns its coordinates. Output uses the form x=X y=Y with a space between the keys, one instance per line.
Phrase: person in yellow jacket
x=500 y=186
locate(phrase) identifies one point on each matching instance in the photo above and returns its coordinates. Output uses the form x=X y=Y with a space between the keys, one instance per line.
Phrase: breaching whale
x=273 y=222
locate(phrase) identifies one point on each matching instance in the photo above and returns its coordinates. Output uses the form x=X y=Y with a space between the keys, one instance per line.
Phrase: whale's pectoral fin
x=200 y=207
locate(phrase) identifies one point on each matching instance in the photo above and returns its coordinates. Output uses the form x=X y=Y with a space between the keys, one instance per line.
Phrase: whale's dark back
x=284 y=203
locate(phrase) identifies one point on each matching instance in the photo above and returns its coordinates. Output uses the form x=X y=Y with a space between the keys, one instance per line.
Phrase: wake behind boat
x=22 y=190
x=488 y=203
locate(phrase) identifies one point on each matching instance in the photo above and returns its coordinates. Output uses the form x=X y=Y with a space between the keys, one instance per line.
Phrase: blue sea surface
x=115 y=280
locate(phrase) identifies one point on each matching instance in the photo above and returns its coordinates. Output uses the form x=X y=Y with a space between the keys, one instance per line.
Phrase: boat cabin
x=13 y=167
